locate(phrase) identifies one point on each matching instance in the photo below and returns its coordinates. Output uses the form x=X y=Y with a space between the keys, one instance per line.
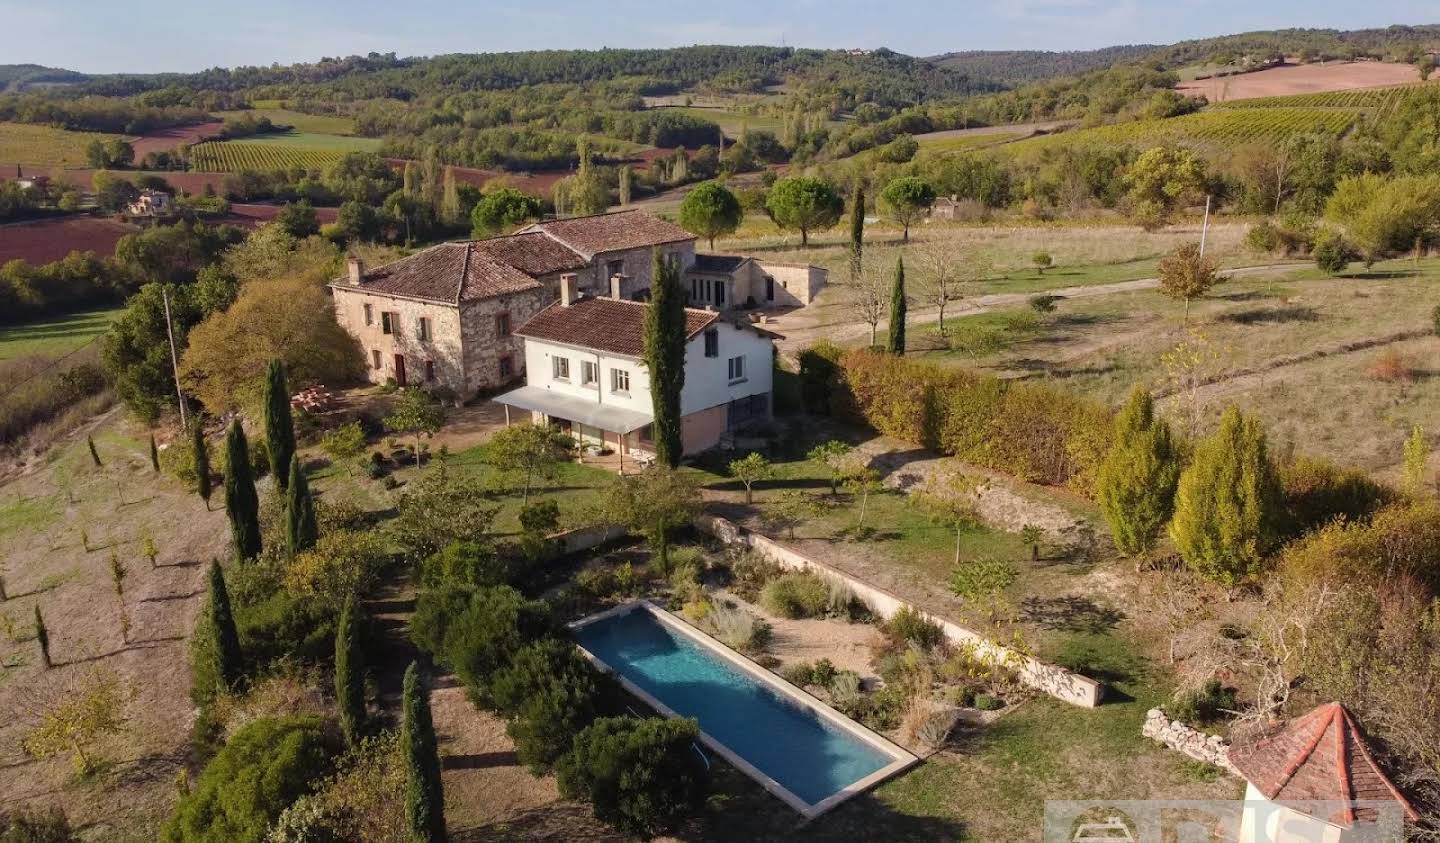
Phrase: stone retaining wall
x=1055 y=681
x=1212 y=749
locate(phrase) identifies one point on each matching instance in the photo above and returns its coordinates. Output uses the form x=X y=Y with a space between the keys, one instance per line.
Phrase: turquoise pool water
x=806 y=754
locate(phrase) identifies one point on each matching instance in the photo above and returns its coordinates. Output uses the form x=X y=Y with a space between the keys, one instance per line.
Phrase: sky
x=185 y=35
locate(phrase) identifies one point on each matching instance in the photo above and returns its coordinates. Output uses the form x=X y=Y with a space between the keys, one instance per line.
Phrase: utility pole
x=174 y=358
x=1205 y=227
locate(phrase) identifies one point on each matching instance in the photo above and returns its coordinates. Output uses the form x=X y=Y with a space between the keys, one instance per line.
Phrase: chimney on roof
x=355 y=269
x=617 y=283
x=569 y=289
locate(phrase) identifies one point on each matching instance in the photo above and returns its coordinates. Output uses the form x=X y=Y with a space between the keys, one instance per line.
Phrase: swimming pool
x=799 y=749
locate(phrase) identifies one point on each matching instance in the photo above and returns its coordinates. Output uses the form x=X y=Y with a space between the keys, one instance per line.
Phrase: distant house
x=585 y=373
x=1313 y=779
x=446 y=316
x=33 y=182
x=151 y=203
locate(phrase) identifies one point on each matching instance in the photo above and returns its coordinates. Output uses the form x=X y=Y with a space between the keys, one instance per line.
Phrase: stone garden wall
x=1212 y=749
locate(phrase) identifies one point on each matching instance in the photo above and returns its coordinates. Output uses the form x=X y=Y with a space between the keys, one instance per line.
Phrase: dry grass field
x=1301 y=79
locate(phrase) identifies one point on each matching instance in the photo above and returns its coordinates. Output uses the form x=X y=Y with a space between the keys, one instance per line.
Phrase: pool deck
x=903 y=760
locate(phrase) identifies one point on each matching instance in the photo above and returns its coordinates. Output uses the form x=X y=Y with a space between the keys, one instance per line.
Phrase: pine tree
x=201 y=455
x=665 y=340
x=857 y=232
x=241 y=502
x=42 y=635
x=279 y=426
x=349 y=676
x=1228 y=505
x=1136 y=483
x=896 y=343
x=424 y=792
x=94 y=454
x=154 y=455
x=219 y=662
x=300 y=527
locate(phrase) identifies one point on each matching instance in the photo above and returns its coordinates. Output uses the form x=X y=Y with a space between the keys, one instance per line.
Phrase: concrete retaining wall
x=1055 y=681
x=574 y=541
x=1212 y=749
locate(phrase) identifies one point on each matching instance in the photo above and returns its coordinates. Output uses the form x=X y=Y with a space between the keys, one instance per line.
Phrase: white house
x=1313 y=780
x=585 y=372
x=151 y=203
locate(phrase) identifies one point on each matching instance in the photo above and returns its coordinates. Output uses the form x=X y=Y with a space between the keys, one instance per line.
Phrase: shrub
x=475 y=632
x=1390 y=366
x=641 y=776
x=737 y=629
x=798 y=595
x=749 y=571
x=274 y=624
x=464 y=563
x=548 y=693
x=912 y=626
x=603 y=583
x=364 y=800
x=1200 y=706
x=986 y=702
x=1399 y=541
x=341 y=565
x=263 y=768
x=1263 y=237
x=1331 y=253
x=1317 y=492
x=37 y=826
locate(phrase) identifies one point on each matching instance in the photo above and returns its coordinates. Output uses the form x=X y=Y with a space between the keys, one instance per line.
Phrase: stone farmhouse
x=585 y=373
x=446 y=316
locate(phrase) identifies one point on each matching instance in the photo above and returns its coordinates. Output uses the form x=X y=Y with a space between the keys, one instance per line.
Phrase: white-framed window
x=560 y=368
x=423 y=328
x=369 y=315
x=589 y=373
x=737 y=368
x=619 y=380
x=389 y=323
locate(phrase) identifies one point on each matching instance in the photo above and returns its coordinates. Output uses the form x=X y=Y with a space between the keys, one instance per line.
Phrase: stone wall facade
x=1211 y=749
x=443 y=349
x=484 y=346
x=1051 y=679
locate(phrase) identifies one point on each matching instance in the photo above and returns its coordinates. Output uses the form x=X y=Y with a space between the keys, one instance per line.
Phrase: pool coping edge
x=903 y=759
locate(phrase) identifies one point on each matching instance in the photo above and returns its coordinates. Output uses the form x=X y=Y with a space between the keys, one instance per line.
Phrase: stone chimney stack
x=617 y=283
x=355 y=269
x=569 y=289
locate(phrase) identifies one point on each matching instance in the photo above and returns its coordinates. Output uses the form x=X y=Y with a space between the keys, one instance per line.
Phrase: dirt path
x=800 y=331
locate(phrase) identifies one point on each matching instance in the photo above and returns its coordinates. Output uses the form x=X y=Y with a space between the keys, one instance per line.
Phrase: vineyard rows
x=1222 y=128
x=1360 y=98
x=230 y=156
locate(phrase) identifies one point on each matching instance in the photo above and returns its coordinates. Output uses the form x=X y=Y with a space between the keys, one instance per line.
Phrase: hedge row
x=1029 y=430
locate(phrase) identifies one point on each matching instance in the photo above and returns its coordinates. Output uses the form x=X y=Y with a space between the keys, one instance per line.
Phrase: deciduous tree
x=74 y=721
x=908 y=200
x=1186 y=274
x=834 y=455
x=749 y=470
x=415 y=414
x=531 y=451
x=502 y=210
x=654 y=503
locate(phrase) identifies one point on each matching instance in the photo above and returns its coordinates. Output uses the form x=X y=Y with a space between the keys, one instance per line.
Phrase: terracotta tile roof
x=473 y=270
x=1320 y=756
x=612 y=232
x=609 y=325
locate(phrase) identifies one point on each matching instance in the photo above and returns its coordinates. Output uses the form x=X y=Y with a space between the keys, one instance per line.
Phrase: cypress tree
x=279 y=427
x=1228 y=505
x=665 y=339
x=154 y=455
x=219 y=660
x=94 y=454
x=424 y=792
x=202 y=461
x=1136 y=483
x=300 y=528
x=857 y=232
x=896 y=343
x=42 y=635
x=349 y=676
x=241 y=502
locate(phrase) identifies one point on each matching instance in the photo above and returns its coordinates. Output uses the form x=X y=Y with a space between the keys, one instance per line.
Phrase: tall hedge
x=1033 y=431
x=242 y=503
x=424 y=791
x=301 y=530
x=279 y=426
x=216 y=659
x=349 y=675
x=1229 y=506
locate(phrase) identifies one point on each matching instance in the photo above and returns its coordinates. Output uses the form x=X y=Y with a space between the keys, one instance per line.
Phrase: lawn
x=733 y=122
x=55 y=336
x=44 y=146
